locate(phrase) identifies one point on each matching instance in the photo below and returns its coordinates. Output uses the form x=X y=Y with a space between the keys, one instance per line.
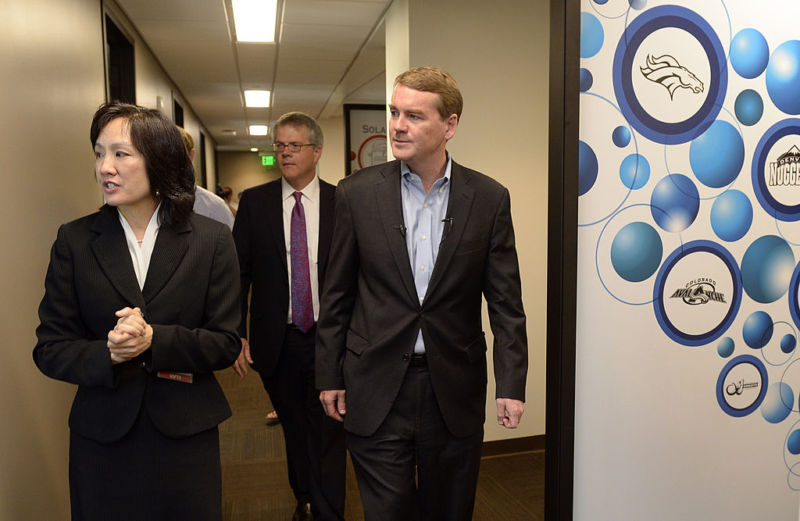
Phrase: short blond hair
x=188 y=140
x=438 y=81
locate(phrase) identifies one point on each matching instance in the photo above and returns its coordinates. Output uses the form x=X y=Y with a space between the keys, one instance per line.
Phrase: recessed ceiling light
x=255 y=20
x=229 y=132
x=256 y=98
x=258 y=130
x=254 y=149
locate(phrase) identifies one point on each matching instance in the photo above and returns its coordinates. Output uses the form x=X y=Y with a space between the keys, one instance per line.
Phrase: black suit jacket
x=370 y=312
x=188 y=299
x=261 y=246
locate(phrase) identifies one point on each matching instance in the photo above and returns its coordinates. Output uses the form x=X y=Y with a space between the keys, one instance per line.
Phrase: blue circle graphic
x=638 y=4
x=793 y=444
x=587 y=168
x=749 y=107
x=621 y=136
x=777 y=403
x=794 y=296
x=636 y=251
x=783 y=77
x=788 y=343
x=586 y=80
x=749 y=53
x=674 y=203
x=761 y=182
x=623 y=68
x=767 y=268
x=721 y=386
x=757 y=329
x=591 y=35
x=725 y=347
x=634 y=171
x=717 y=155
x=715 y=330
x=731 y=215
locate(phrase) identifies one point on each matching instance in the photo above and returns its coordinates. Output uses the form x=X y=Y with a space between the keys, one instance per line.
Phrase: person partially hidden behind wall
x=138 y=313
x=283 y=235
x=401 y=357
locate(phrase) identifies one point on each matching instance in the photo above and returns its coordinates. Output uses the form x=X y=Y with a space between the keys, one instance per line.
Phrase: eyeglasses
x=293 y=147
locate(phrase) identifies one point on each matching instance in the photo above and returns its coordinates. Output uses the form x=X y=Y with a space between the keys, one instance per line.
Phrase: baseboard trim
x=514 y=445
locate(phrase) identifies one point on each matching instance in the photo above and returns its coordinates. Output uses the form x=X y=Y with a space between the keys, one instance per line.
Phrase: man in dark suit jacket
x=400 y=348
x=282 y=330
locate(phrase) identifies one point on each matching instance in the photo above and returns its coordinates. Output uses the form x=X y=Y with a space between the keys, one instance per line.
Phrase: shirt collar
x=405 y=171
x=311 y=191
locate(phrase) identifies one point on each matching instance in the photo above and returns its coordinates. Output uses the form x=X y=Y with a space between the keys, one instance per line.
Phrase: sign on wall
x=365 y=136
x=688 y=381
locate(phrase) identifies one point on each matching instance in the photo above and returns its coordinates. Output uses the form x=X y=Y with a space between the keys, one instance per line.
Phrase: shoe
x=303 y=512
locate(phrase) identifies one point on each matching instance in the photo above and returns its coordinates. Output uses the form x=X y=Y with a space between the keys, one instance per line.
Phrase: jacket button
x=142 y=365
x=406 y=357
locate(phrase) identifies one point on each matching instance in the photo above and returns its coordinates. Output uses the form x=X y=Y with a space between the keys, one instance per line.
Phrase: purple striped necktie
x=302 y=305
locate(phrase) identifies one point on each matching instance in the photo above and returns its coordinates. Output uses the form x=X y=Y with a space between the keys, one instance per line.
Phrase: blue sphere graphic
x=591 y=35
x=757 y=330
x=783 y=77
x=777 y=403
x=731 y=215
x=788 y=343
x=601 y=2
x=634 y=171
x=636 y=251
x=674 y=203
x=725 y=347
x=587 y=168
x=586 y=80
x=717 y=155
x=793 y=443
x=621 y=136
x=767 y=268
x=749 y=107
x=749 y=53
x=638 y=4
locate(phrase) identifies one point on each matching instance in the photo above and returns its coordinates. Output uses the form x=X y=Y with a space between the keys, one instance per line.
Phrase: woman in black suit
x=138 y=312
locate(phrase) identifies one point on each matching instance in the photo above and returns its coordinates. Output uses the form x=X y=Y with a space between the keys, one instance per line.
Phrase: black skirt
x=146 y=476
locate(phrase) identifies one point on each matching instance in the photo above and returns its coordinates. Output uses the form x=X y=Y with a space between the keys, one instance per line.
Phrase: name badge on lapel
x=178 y=377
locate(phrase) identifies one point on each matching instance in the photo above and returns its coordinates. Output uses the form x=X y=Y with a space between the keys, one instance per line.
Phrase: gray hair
x=301 y=119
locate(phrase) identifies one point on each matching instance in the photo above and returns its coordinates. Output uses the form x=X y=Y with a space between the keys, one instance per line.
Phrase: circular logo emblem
x=697 y=293
x=742 y=385
x=776 y=170
x=670 y=74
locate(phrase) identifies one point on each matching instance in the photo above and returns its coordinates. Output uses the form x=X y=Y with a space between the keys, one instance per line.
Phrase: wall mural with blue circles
x=689 y=240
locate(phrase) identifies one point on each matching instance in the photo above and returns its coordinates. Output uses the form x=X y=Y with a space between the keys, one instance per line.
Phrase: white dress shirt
x=310 y=201
x=141 y=253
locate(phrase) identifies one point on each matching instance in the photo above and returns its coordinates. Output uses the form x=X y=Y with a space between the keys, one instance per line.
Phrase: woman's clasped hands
x=131 y=336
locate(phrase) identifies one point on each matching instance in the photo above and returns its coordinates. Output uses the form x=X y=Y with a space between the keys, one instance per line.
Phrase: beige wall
x=498 y=54
x=52 y=82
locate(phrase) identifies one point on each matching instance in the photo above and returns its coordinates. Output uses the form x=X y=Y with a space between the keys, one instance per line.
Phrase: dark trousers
x=412 y=468
x=315 y=445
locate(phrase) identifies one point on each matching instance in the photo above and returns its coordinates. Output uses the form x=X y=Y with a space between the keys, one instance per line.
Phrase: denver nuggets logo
x=666 y=71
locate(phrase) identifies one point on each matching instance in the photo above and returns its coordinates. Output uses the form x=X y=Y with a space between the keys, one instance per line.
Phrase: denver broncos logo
x=666 y=71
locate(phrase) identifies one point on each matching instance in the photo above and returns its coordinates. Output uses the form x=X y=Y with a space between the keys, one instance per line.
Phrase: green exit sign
x=268 y=160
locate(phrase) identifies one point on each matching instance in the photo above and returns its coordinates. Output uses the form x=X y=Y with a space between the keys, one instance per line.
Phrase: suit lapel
x=390 y=207
x=327 y=199
x=274 y=213
x=111 y=251
x=171 y=245
x=458 y=208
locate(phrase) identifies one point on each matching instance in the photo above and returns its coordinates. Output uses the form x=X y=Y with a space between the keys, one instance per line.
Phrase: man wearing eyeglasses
x=283 y=233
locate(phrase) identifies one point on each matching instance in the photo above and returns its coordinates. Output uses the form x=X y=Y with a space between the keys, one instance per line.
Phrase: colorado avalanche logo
x=666 y=71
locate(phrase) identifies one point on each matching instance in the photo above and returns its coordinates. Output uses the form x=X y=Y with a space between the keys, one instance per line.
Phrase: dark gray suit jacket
x=261 y=246
x=190 y=300
x=371 y=314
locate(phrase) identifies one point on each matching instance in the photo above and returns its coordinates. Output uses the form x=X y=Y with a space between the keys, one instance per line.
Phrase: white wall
x=498 y=54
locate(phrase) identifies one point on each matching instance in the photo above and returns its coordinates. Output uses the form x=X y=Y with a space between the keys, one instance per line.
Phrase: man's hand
x=509 y=412
x=241 y=363
x=333 y=403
